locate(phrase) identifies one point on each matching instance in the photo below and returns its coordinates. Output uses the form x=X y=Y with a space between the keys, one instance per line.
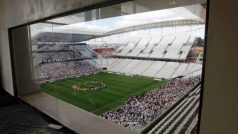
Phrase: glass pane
x=136 y=64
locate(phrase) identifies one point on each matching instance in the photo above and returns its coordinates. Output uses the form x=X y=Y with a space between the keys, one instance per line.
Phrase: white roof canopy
x=101 y=26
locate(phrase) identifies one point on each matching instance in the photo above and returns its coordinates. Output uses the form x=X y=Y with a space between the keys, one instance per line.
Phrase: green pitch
x=118 y=89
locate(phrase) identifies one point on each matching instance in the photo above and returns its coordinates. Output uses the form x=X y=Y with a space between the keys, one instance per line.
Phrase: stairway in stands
x=182 y=119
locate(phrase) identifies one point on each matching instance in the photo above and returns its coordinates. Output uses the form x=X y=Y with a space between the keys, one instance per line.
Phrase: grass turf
x=118 y=89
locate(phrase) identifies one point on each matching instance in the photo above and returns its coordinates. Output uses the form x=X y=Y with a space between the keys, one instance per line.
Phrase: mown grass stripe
x=119 y=89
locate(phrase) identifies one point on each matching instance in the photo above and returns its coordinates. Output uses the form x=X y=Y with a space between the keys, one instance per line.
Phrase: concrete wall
x=73 y=117
x=220 y=99
x=24 y=75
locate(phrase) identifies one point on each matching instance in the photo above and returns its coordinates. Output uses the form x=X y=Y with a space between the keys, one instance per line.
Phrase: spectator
x=145 y=107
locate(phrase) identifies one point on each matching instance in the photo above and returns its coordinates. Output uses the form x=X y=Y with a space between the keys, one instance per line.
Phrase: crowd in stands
x=56 y=56
x=61 y=52
x=56 y=70
x=53 y=47
x=139 y=110
x=60 y=60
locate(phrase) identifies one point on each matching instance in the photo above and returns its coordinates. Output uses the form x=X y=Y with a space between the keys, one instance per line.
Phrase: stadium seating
x=135 y=112
x=61 y=60
x=129 y=47
x=167 y=47
x=142 y=66
x=104 y=62
x=113 y=64
x=186 y=48
x=149 y=48
x=167 y=70
x=181 y=69
x=121 y=65
x=182 y=118
x=84 y=50
x=57 y=56
x=193 y=67
x=130 y=67
x=61 y=70
x=156 y=69
x=173 y=51
x=159 y=50
x=139 y=47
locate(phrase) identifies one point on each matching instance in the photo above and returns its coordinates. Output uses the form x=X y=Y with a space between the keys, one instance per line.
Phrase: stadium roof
x=102 y=26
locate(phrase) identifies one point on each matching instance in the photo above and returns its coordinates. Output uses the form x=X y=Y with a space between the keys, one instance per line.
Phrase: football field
x=118 y=89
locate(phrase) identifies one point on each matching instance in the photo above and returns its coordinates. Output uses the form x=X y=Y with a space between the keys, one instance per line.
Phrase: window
x=116 y=62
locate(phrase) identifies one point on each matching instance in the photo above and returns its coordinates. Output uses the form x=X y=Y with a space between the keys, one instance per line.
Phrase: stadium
x=143 y=74
x=118 y=67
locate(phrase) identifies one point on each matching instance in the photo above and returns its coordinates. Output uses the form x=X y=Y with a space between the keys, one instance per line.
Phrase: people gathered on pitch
x=88 y=86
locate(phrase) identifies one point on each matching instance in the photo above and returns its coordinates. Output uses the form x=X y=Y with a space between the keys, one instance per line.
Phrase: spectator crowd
x=139 y=110
x=69 y=61
x=62 y=60
x=57 y=70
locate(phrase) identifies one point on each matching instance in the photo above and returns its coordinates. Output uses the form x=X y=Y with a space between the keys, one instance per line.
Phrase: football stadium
x=118 y=67
x=118 y=89
x=141 y=71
